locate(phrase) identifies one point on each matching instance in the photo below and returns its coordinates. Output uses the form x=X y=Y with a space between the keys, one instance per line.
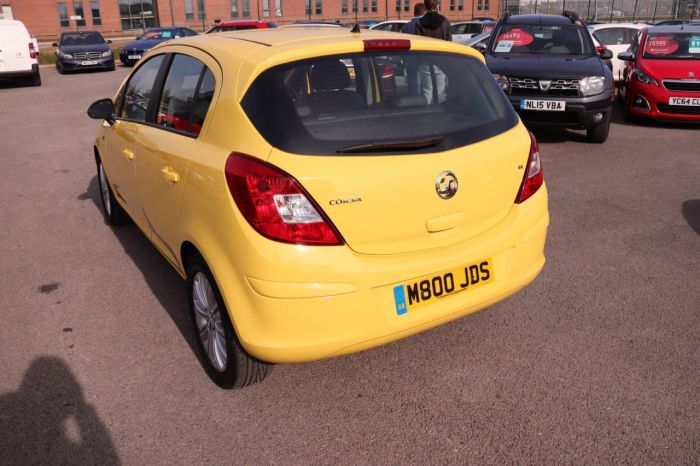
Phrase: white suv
x=18 y=52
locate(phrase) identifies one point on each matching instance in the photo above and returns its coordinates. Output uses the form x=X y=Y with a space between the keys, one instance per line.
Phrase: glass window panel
x=95 y=11
x=177 y=100
x=63 y=15
x=234 y=8
x=201 y=106
x=407 y=5
x=344 y=7
x=278 y=7
x=266 y=7
x=189 y=10
x=78 y=9
x=138 y=91
x=202 y=9
x=365 y=6
x=319 y=8
x=374 y=6
x=246 y=8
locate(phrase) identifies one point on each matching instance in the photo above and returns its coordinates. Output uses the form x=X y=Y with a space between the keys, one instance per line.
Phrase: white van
x=18 y=52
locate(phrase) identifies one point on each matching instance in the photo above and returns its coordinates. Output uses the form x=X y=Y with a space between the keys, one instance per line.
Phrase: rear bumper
x=20 y=73
x=579 y=112
x=348 y=304
x=645 y=100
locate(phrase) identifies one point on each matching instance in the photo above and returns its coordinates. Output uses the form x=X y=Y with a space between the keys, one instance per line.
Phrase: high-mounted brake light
x=534 y=178
x=32 y=51
x=276 y=205
x=386 y=44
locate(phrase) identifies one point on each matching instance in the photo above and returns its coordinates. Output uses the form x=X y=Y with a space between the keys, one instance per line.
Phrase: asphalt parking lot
x=598 y=361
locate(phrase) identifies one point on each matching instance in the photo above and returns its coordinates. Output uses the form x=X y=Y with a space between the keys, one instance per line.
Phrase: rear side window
x=139 y=90
x=186 y=95
x=400 y=102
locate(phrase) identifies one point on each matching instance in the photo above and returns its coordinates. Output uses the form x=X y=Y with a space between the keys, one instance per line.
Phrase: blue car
x=134 y=50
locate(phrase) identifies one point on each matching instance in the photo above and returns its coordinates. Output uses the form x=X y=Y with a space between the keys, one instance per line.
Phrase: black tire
x=598 y=134
x=60 y=69
x=239 y=369
x=36 y=78
x=113 y=212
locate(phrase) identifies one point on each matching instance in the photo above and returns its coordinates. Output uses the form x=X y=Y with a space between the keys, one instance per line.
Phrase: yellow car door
x=168 y=147
x=123 y=138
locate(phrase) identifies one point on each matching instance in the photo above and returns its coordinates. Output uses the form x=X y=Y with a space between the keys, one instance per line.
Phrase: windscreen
x=673 y=46
x=543 y=39
x=81 y=38
x=402 y=102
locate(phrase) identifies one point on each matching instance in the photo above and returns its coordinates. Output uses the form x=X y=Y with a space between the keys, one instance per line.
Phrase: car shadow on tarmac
x=49 y=421
x=691 y=212
x=164 y=282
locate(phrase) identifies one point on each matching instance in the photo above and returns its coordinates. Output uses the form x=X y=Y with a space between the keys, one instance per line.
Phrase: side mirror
x=55 y=44
x=626 y=56
x=102 y=109
x=480 y=46
x=606 y=54
x=109 y=41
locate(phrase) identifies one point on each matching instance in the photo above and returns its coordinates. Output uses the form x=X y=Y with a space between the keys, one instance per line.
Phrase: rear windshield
x=543 y=39
x=157 y=35
x=402 y=102
x=81 y=38
x=673 y=46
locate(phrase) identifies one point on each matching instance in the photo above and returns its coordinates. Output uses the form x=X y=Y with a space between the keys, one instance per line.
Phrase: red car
x=661 y=78
x=240 y=25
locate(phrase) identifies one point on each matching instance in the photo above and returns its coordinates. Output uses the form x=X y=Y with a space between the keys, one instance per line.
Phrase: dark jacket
x=433 y=24
x=410 y=27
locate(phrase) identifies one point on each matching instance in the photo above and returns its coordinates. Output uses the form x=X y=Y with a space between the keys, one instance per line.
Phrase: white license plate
x=543 y=105
x=684 y=101
x=88 y=62
x=134 y=57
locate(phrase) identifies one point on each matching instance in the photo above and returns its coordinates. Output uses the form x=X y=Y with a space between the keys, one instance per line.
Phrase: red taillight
x=386 y=44
x=534 y=177
x=32 y=51
x=276 y=205
x=387 y=71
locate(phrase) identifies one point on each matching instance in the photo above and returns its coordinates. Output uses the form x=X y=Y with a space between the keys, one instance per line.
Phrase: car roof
x=539 y=19
x=239 y=22
x=675 y=28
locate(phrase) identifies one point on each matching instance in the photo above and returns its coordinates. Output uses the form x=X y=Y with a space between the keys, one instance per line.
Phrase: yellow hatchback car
x=322 y=191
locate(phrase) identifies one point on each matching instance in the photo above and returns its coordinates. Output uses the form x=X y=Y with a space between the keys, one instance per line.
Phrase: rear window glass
x=400 y=102
x=673 y=46
x=543 y=39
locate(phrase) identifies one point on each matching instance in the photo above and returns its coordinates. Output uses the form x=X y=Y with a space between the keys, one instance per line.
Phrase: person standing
x=418 y=12
x=433 y=24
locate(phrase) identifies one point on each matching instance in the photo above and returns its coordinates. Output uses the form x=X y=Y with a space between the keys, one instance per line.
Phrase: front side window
x=408 y=102
x=63 y=15
x=179 y=98
x=80 y=13
x=672 y=46
x=95 y=10
x=139 y=89
x=543 y=39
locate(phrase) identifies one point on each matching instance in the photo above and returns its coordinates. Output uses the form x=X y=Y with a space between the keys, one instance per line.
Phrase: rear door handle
x=169 y=174
x=129 y=154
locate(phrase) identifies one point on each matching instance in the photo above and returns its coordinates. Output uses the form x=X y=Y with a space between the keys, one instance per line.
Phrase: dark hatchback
x=549 y=68
x=134 y=50
x=83 y=50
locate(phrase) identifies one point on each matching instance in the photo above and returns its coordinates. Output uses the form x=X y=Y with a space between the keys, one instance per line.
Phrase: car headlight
x=592 y=85
x=502 y=82
x=642 y=77
x=67 y=55
x=106 y=54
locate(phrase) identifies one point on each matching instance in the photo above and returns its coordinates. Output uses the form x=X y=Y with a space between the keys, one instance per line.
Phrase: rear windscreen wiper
x=392 y=145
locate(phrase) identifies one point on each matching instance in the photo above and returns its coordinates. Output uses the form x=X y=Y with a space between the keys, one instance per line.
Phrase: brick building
x=45 y=19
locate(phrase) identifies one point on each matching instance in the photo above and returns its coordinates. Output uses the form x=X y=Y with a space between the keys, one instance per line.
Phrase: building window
x=479 y=5
x=354 y=6
x=374 y=6
x=460 y=5
x=452 y=5
x=63 y=15
x=365 y=6
x=486 y=4
x=189 y=11
x=344 y=7
x=319 y=8
x=78 y=9
x=234 y=8
x=407 y=5
x=308 y=7
x=266 y=8
x=278 y=7
x=95 y=11
x=246 y=8
x=202 y=9
x=137 y=14
x=398 y=5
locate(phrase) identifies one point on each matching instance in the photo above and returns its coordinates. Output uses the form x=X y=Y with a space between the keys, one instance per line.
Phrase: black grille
x=530 y=86
x=87 y=55
x=562 y=118
x=677 y=109
x=685 y=85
